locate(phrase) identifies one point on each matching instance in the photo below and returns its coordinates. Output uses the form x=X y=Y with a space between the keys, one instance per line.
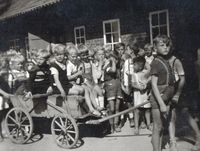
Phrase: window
x=79 y=34
x=111 y=32
x=159 y=23
x=14 y=44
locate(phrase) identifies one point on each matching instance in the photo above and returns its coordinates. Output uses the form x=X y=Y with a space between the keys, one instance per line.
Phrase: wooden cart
x=65 y=114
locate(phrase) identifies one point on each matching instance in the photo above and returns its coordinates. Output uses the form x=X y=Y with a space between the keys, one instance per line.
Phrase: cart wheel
x=65 y=131
x=19 y=125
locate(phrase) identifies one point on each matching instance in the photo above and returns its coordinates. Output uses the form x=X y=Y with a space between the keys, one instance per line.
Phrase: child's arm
x=5 y=94
x=181 y=82
x=59 y=86
x=113 y=65
x=74 y=76
x=154 y=80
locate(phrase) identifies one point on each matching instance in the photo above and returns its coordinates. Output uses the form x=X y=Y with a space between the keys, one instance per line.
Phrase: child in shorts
x=162 y=82
x=113 y=90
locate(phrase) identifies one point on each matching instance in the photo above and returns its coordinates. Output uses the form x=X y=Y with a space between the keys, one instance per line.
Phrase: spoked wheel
x=19 y=125
x=65 y=131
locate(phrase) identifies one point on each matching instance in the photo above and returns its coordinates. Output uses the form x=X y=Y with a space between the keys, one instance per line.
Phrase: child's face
x=73 y=56
x=138 y=67
x=121 y=50
x=148 y=52
x=16 y=65
x=99 y=55
x=40 y=61
x=162 y=48
x=85 y=56
x=59 y=57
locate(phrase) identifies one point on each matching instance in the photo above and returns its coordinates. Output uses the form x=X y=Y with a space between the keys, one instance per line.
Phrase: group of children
x=108 y=80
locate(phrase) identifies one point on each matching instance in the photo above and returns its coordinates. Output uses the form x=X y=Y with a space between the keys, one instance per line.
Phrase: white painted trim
x=75 y=36
x=150 y=22
x=104 y=31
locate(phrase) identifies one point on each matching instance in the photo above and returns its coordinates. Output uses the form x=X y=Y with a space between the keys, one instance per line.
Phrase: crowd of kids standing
x=110 y=81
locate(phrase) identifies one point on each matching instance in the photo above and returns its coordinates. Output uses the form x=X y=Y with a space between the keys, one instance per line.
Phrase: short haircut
x=117 y=46
x=59 y=49
x=148 y=46
x=162 y=38
x=17 y=58
x=83 y=48
x=43 y=53
x=71 y=47
x=140 y=59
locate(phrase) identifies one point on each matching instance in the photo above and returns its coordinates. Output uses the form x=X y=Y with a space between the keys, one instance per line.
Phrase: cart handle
x=116 y=115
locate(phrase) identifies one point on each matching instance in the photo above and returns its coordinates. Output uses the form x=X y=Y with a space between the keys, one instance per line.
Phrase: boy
x=113 y=90
x=39 y=74
x=162 y=82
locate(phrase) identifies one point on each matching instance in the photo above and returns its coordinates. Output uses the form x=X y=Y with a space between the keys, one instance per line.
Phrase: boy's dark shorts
x=113 y=89
x=166 y=96
x=127 y=98
x=66 y=89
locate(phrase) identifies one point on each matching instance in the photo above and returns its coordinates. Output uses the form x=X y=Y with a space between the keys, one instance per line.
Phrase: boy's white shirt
x=128 y=70
x=71 y=68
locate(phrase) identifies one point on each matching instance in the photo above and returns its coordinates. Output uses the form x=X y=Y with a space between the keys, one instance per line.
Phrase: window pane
x=163 y=30
x=77 y=33
x=78 y=41
x=82 y=31
x=108 y=38
x=116 y=37
x=115 y=26
x=154 y=19
x=83 y=40
x=108 y=27
x=155 y=32
x=163 y=18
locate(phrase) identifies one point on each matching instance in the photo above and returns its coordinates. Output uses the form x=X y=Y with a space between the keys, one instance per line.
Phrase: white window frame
x=80 y=37
x=16 y=44
x=150 y=22
x=104 y=32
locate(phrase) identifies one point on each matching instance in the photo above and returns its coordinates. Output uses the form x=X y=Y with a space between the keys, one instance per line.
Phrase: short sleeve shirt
x=158 y=69
x=71 y=68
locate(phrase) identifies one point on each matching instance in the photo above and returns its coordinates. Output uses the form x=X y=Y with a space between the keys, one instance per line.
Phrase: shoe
x=143 y=125
x=117 y=129
x=150 y=127
x=132 y=124
x=136 y=131
x=173 y=145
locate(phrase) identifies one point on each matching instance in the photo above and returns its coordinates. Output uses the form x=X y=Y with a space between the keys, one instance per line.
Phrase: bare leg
x=136 y=120
x=147 y=116
x=157 y=130
x=111 y=112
